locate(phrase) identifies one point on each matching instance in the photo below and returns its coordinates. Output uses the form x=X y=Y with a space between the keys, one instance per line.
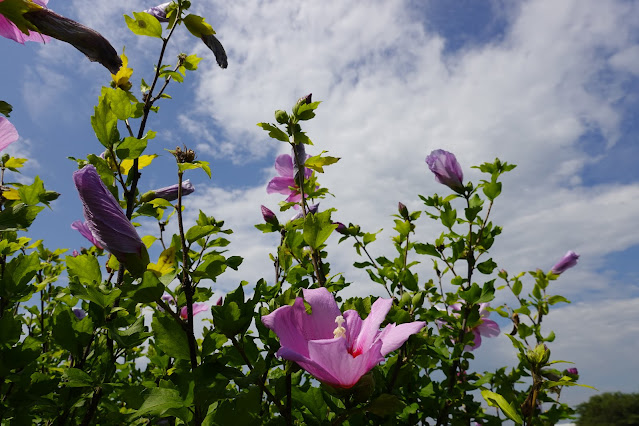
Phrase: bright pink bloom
x=197 y=308
x=446 y=169
x=285 y=182
x=83 y=229
x=337 y=349
x=568 y=261
x=9 y=30
x=8 y=132
x=486 y=327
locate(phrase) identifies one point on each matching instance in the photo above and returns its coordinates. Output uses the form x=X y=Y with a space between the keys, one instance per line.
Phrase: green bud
x=281 y=116
x=418 y=299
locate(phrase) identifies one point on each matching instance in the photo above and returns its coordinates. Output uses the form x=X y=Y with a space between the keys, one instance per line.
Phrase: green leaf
x=159 y=400
x=517 y=286
x=105 y=123
x=85 y=268
x=204 y=165
x=495 y=400
x=427 y=249
x=63 y=332
x=487 y=267
x=120 y=103
x=472 y=295
x=132 y=336
x=10 y=329
x=274 y=132
x=170 y=337
x=385 y=404
x=492 y=190
x=312 y=400
x=318 y=162
x=191 y=62
x=131 y=148
x=93 y=294
x=196 y=232
x=5 y=108
x=19 y=216
x=317 y=228
x=150 y=290
x=197 y=26
x=407 y=279
x=487 y=292
x=144 y=24
x=76 y=378
x=448 y=217
x=557 y=299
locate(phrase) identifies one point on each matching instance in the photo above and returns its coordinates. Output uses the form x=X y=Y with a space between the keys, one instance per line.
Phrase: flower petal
x=488 y=328
x=8 y=132
x=370 y=326
x=332 y=356
x=281 y=185
x=284 y=165
x=320 y=324
x=286 y=322
x=393 y=336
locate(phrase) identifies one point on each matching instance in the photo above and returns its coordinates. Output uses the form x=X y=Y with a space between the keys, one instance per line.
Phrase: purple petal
x=476 y=341
x=393 y=336
x=79 y=313
x=488 y=328
x=8 y=132
x=170 y=193
x=106 y=220
x=568 y=261
x=281 y=185
x=446 y=169
x=84 y=230
x=284 y=165
x=10 y=31
x=159 y=11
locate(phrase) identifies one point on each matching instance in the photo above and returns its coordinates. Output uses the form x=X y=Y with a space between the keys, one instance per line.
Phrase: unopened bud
x=403 y=211
x=219 y=301
x=341 y=228
x=281 y=116
x=269 y=216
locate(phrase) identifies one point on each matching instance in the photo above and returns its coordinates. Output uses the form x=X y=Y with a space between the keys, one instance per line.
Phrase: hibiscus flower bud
x=446 y=169
x=281 y=116
x=403 y=211
x=219 y=301
x=169 y=193
x=311 y=210
x=341 y=228
x=568 y=261
x=269 y=216
x=159 y=11
x=107 y=222
x=572 y=371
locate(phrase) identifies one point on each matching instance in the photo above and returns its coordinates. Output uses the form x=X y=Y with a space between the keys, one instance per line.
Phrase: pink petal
x=321 y=323
x=476 y=341
x=332 y=356
x=393 y=336
x=10 y=31
x=353 y=325
x=197 y=308
x=8 y=132
x=285 y=322
x=284 y=165
x=280 y=184
x=370 y=326
x=488 y=328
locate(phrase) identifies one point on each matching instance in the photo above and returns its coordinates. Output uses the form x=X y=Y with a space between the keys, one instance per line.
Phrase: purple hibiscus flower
x=486 y=327
x=285 y=182
x=446 y=169
x=568 y=261
x=336 y=348
x=107 y=222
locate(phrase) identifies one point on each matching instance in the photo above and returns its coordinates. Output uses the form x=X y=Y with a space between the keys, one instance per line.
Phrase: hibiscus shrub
x=109 y=335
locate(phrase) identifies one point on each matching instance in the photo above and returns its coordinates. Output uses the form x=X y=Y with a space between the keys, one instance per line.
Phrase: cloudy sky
x=548 y=85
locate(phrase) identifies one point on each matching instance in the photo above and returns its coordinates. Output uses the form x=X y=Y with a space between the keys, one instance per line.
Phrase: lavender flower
x=107 y=222
x=79 y=313
x=159 y=11
x=9 y=30
x=446 y=169
x=568 y=261
x=8 y=132
x=169 y=193
x=83 y=229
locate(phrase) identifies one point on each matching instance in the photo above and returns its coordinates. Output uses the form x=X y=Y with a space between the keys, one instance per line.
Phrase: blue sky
x=550 y=86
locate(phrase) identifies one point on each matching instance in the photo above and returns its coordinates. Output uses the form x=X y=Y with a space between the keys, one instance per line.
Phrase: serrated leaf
x=159 y=400
x=143 y=161
x=274 y=131
x=170 y=337
x=165 y=264
x=318 y=162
